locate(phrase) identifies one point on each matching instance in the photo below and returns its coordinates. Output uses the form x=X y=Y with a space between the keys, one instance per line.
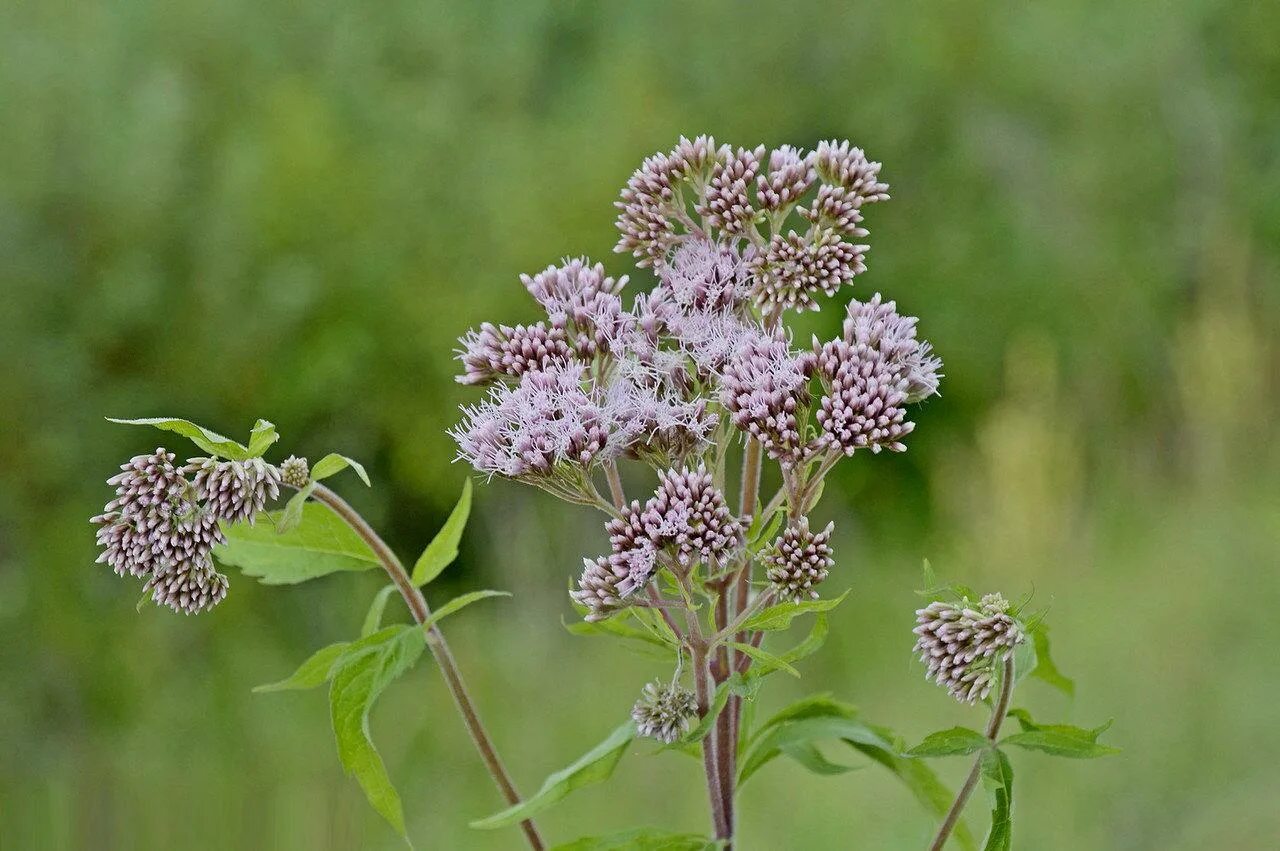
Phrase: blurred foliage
x=291 y=210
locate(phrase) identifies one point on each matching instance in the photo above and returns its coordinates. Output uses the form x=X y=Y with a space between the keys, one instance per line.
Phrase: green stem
x=439 y=649
x=993 y=729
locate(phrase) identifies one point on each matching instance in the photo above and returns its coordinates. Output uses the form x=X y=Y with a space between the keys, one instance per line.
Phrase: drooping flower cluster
x=961 y=644
x=799 y=560
x=162 y=526
x=665 y=712
x=234 y=490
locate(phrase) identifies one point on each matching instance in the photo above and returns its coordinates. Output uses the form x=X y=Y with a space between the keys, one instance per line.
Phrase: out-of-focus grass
x=243 y=209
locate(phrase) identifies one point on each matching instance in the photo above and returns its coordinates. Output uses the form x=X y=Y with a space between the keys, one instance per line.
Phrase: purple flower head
x=794 y=269
x=704 y=276
x=649 y=206
x=727 y=202
x=581 y=302
x=686 y=517
x=497 y=351
x=765 y=389
x=961 y=643
x=837 y=208
x=878 y=324
x=548 y=419
x=189 y=587
x=864 y=406
x=661 y=425
x=234 y=490
x=789 y=176
x=844 y=165
x=798 y=560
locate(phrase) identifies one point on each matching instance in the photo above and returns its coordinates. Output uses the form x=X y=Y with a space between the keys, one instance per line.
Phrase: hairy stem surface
x=971 y=782
x=439 y=649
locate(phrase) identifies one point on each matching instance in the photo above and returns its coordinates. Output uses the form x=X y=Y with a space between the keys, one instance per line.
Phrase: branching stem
x=439 y=649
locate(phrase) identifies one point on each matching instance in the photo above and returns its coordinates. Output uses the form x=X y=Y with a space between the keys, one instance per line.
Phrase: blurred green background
x=291 y=210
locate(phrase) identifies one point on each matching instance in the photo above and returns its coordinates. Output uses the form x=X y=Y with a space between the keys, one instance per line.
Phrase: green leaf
x=808 y=755
x=443 y=548
x=261 y=437
x=593 y=767
x=1045 y=668
x=956 y=741
x=1025 y=662
x=640 y=839
x=357 y=682
x=997 y=777
x=291 y=516
x=319 y=667
x=767 y=661
x=1059 y=739
x=641 y=640
x=335 y=463
x=779 y=617
x=760 y=535
x=320 y=544
x=209 y=441
x=373 y=618
x=460 y=602
x=312 y=672
x=814 y=718
x=934 y=588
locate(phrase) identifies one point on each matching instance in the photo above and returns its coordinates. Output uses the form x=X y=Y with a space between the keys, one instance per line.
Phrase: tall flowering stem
x=699 y=365
x=998 y=713
x=439 y=648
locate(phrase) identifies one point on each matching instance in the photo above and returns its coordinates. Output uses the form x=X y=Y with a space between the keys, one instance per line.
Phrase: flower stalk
x=439 y=648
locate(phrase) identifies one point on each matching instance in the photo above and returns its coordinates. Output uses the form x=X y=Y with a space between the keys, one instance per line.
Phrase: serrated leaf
x=335 y=463
x=779 y=617
x=312 y=672
x=1045 y=668
x=320 y=544
x=997 y=778
x=767 y=661
x=593 y=767
x=956 y=741
x=760 y=535
x=208 y=440
x=641 y=839
x=373 y=617
x=460 y=602
x=357 y=682
x=291 y=515
x=812 y=719
x=1058 y=739
x=261 y=436
x=443 y=548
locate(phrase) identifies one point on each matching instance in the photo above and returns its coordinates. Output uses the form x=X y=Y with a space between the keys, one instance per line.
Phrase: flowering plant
x=696 y=394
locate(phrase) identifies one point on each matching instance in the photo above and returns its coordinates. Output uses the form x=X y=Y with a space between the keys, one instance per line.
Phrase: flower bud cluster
x=799 y=560
x=961 y=644
x=665 y=712
x=162 y=524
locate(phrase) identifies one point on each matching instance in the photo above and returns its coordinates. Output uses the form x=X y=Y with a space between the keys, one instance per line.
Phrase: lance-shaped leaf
x=956 y=741
x=1045 y=668
x=779 y=617
x=443 y=548
x=460 y=602
x=1058 y=739
x=319 y=666
x=358 y=680
x=641 y=839
x=643 y=641
x=335 y=463
x=765 y=662
x=208 y=440
x=593 y=767
x=320 y=544
x=373 y=617
x=997 y=778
